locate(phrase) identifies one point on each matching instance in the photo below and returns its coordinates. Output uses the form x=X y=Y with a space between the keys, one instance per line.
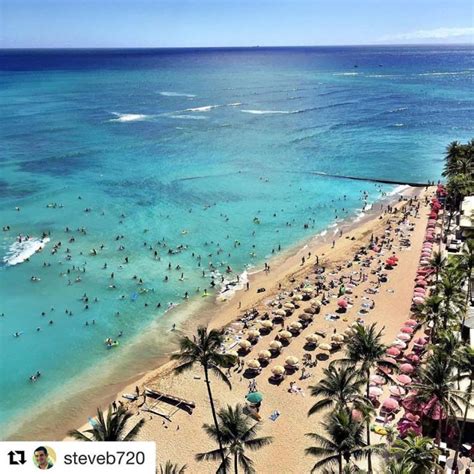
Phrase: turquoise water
x=186 y=148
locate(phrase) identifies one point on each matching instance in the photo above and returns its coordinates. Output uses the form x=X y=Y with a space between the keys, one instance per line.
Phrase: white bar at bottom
x=71 y=457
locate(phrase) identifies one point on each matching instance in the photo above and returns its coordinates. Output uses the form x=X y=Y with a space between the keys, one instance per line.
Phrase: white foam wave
x=188 y=117
x=452 y=73
x=176 y=94
x=204 y=108
x=398 y=124
x=20 y=251
x=264 y=112
x=235 y=104
x=230 y=287
x=398 y=190
x=398 y=109
x=129 y=117
x=346 y=74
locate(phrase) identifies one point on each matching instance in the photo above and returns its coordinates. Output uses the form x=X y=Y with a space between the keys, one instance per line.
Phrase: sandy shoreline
x=392 y=309
x=219 y=314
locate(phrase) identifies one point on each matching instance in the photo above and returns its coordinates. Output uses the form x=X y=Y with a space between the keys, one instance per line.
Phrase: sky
x=214 y=23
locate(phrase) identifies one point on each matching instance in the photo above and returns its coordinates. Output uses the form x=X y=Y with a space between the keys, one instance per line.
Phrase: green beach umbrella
x=254 y=397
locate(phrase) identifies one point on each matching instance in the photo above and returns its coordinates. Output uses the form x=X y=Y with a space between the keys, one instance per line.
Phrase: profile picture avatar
x=44 y=457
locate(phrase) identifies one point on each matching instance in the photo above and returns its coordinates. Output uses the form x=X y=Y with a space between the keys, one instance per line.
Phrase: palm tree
x=429 y=313
x=395 y=466
x=205 y=350
x=438 y=262
x=450 y=290
x=172 y=468
x=338 y=387
x=109 y=428
x=436 y=385
x=237 y=434
x=465 y=364
x=418 y=453
x=466 y=265
x=344 y=441
x=366 y=350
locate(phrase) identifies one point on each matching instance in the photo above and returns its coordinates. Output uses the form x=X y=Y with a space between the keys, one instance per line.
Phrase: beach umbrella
x=254 y=397
x=342 y=303
x=396 y=391
x=434 y=410
x=414 y=358
x=292 y=361
x=412 y=403
x=418 y=300
x=410 y=323
x=307 y=289
x=418 y=291
x=421 y=283
x=267 y=324
x=306 y=317
x=407 y=330
x=285 y=334
x=278 y=370
x=375 y=392
x=265 y=355
x=275 y=345
x=338 y=338
x=296 y=325
x=312 y=338
x=390 y=404
x=390 y=360
x=253 y=364
x=400 y=344
x=245 y=344
x=420 y=341
x=404 y=379
x=253 y=334
x=377 y=379
x=403 y=337
x=407 y=368
x=315 y=302
x=393 y=351
x=309 y=310
x=289 y=305
x=297 y=298
x=280 y=312
x=325 y=347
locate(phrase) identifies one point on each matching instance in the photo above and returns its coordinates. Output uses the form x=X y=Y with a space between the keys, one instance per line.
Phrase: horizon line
x=52 y=48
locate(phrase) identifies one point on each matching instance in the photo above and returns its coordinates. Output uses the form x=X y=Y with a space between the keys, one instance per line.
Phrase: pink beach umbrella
x=434 y=410
x=375 y=392
x=390 y=404
x=420 y=341
x=377 y=379
x=396 y=391
x=412 y=417
x=390 y=360
x=407 y=330
x=400 y=344
x=413 y=358
x=410 y=323
x=418 y=300
x=407 y=368
x=404 y=379
x=403 y=336
x=342 y=303
x=421 y=283
x=419 y=291
x=393 y=351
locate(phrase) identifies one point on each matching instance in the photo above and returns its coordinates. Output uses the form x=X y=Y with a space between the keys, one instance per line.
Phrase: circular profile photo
x=44 y=457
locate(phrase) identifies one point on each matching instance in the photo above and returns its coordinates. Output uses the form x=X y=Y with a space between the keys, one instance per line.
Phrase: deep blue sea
x=204 y=156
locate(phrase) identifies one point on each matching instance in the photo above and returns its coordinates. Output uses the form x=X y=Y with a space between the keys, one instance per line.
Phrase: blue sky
x=181 y=23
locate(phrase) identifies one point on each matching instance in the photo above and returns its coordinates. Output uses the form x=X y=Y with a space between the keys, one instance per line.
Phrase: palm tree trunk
x=463 y=426
x=214 y=416
x=236 y=464
x=340 y=463
x=369 y=456
x=439 y=431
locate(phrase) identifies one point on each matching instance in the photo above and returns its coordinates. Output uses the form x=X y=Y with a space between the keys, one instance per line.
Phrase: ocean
x=156 y=174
